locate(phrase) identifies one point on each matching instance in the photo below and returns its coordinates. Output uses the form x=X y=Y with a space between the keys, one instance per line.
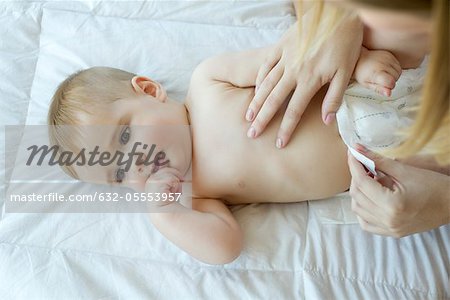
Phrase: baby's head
x=117 y=111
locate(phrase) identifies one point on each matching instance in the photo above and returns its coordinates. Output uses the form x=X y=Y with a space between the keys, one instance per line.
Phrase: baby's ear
x=145 y=86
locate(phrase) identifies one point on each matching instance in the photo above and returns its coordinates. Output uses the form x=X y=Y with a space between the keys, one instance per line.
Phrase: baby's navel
x=241 y=184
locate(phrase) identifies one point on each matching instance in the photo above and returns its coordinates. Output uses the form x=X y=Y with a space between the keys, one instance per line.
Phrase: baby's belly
x=306 y=173
x=312 y=166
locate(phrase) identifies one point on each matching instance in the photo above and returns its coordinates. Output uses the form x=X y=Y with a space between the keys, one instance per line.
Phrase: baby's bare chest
x=226 y=163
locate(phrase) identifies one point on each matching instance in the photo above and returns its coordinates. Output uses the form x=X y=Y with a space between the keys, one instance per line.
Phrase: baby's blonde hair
x=78 y=96
x=431 y=131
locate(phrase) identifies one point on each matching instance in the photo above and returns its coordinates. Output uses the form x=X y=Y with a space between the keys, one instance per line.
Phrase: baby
x=226 y=166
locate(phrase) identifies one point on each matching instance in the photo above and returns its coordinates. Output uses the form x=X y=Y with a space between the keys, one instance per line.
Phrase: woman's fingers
x=334 y=96
x=403 y=208
x=366 y=184
x=369 y=227
x=266 y=67
x=294 y=111
x=338 y=53
x=368 y=213
x=264 y=90
x=365 y=207
x=270 y=107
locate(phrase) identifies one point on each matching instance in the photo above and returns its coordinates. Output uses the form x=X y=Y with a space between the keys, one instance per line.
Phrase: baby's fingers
x=383 y=78
x=382 y=82
x=384 y=91
x=396 y=69
x=391 y=65
x=169 y=185
x=167 y=174
x=393 y=71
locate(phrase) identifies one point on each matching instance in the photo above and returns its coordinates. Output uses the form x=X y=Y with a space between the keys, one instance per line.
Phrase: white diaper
x=373 y=120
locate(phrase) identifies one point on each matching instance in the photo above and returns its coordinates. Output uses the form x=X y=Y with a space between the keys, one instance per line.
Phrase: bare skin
x=249 y=171
x=228 y=168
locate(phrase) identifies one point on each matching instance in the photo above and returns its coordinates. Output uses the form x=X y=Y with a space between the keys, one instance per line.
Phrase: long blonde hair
x=430 y=132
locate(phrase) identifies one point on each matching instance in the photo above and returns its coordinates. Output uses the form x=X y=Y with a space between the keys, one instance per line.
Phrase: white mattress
x=292 y=251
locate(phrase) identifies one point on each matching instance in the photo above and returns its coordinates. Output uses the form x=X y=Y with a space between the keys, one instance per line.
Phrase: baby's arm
x=377 y=70
x=208 y=231
x=237 y=68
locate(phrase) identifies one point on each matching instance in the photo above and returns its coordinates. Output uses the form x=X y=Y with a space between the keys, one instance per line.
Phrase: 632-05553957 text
x=97 y=196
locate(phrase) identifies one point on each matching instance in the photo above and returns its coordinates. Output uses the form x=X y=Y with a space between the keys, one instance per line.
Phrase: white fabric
x=373 y=120
x=166 y=51
x=289 y=253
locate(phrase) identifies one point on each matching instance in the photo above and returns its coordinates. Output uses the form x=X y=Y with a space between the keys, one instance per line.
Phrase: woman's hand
x=282 y=73
x=405 y=200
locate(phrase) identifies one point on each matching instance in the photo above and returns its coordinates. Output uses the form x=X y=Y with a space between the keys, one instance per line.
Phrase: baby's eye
x=120 y=175
x=125 y=135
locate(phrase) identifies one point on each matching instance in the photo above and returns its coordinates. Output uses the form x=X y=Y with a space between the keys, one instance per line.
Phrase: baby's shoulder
x=204 y=72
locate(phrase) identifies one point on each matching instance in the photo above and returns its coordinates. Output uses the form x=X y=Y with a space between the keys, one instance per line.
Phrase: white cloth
x=373 y=120
x=288 y=252
x=370 y=119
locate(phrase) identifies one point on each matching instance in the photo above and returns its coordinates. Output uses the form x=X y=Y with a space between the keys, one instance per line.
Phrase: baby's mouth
x=156 y=167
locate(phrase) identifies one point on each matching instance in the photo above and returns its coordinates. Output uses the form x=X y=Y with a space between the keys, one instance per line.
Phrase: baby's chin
x=181 y=157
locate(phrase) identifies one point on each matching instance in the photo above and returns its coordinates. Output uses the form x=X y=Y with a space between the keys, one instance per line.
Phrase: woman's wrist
x=353 y=24
x=442 y=194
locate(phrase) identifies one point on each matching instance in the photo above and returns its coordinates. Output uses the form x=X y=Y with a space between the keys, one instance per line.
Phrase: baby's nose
x=139 y=163
x=140 y=158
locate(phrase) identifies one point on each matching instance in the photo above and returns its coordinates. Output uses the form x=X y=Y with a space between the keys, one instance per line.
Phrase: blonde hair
x=322 y=27
x=78 y=96
x=430 y=132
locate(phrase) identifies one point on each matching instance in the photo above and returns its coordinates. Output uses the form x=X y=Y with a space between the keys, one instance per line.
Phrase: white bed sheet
x=290 y=252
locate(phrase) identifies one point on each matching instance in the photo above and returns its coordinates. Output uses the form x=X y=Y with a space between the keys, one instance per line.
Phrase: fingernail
x=249 y=115
x=251 y=133
x=256 y=89
x=330 y=118
x=279 y=143
x=362 y=148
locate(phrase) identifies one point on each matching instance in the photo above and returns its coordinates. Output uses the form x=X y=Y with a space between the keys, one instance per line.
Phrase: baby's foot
x=377 y=70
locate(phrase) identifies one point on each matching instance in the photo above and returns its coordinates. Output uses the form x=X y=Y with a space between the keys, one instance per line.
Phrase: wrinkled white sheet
x=292 y=251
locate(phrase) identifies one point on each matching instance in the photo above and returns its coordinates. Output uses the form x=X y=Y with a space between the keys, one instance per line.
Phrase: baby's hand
x=377 y=70
x=163 y=185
